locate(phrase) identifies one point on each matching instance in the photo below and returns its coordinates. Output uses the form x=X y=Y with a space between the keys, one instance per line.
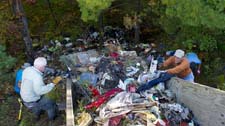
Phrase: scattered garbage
x=175 y=113
x=103 y=98
x=89 y=78
x=124 y=89
x=84 y=119
x=118 y=87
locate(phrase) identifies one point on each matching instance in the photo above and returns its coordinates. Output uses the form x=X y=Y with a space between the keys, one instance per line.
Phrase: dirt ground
x=9 y=109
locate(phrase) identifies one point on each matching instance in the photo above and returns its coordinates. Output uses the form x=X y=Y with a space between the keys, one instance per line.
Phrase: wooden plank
x=69 y=104
x=207 y=104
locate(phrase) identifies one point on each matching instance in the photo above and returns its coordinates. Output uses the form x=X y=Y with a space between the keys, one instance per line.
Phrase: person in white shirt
x=33 y=89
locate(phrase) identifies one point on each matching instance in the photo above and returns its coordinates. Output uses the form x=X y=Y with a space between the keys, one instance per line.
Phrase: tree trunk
x=101 y=27
x=137 y=26
x=100 y=21
x=137 y=33
x=18 y=12
x=52 y=13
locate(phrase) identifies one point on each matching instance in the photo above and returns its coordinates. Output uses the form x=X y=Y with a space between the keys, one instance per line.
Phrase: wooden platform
x=69 y=104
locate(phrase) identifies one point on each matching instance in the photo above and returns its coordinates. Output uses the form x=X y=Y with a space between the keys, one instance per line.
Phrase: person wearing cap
x=33 y=89
x=195 y=62
x=19 y=77
x=179 y=66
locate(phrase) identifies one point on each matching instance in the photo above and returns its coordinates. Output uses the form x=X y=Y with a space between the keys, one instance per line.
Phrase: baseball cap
x=179 y=53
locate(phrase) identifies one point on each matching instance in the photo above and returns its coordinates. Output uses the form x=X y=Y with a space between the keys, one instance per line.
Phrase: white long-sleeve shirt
x=32 y=86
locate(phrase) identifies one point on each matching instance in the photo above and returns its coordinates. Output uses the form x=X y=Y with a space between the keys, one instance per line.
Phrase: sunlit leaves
x=91 y=9
x=193 y=22
x=131 y=21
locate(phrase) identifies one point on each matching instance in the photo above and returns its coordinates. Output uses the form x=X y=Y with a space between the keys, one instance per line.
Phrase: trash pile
x=110 y=84
x=106 y=90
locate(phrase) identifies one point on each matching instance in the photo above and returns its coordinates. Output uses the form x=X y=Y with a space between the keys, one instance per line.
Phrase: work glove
x=57 y=79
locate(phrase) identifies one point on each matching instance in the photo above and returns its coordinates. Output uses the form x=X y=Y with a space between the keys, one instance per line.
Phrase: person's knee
x=47 y=103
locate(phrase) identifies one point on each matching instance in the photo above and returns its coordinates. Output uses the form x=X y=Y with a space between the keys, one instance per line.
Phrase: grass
x=8 y=111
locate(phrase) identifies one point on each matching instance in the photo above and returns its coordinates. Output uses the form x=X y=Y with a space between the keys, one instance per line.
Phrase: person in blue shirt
x=19 y=73
x=195 y=62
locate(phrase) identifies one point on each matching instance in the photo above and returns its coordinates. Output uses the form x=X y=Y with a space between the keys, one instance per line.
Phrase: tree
x=206 y=13
x=91 y=9
x=194 y=25
x=20 y=15
x=6 y=64
x=192 y=22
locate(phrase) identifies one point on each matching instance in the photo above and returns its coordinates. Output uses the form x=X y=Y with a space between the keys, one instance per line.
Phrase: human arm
x=179 y=68
x=40 y=88
x=168 y=62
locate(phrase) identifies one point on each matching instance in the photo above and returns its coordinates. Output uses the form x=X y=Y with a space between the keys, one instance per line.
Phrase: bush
x=6 y=67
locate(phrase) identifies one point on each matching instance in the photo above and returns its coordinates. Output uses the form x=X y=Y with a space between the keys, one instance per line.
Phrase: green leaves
x=91 y=9
x=208 y=43
x=205 y=43
x=197 y=12
x=6 y=64
x=193 y=22
x=221 y=82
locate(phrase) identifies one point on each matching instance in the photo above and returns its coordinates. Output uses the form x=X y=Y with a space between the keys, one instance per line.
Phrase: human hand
x=167 y=71
x=198 y=71
x=160 y=65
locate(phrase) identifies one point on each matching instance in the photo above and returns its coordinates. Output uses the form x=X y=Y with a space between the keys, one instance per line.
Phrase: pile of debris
x=108 y=83
x=105 y=91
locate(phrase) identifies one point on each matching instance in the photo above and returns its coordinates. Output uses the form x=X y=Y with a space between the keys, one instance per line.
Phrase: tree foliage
x=6 y=65
x=206 y=13
x=7 y=28
x=50 y=19
x=91 y=9
x=192 y=22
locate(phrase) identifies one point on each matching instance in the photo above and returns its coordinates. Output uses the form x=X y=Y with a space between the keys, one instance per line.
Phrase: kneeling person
x=33 y=89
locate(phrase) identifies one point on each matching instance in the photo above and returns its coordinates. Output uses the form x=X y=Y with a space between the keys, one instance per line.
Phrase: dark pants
x=162 y=78
x=44 y=104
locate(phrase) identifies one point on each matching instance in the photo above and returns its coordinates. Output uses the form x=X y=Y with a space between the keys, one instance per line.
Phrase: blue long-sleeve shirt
x=193 y=57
